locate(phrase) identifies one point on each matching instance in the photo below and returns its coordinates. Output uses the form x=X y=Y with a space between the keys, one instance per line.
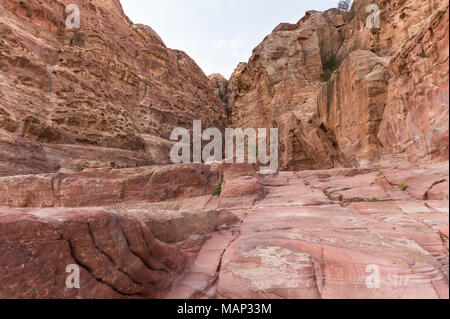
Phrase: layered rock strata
x=309 y=234
x=388 y=100
x=108 y=84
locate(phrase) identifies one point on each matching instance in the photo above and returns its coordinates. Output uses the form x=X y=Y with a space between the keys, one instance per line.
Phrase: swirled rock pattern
x=309 y=234
x=358 y=209
x=323 y=234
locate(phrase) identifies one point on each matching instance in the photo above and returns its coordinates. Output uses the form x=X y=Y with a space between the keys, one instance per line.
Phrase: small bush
x=344 y=5
x=310 y=121
x=403 y=187
x=381 y=173
x=329 y=66
x=365 y=200
x=218 y=189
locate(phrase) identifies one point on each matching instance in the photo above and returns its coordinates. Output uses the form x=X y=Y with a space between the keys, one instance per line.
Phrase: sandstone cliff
x=80 y=109
x=106 y=94
x=387 y=100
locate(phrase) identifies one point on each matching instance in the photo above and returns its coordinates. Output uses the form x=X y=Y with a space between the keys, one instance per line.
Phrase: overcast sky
x=218 y=34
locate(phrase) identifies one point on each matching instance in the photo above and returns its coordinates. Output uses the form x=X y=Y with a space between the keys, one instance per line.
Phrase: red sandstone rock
x=416 y=118
x=279 y=87
x=172 y=226
x=388 y=100
x=241 y=186
x=118 y=256
x=85 y=113
x=199 y=279
x=294 y=242
x=398 y=21
x=100 y=187
x=353 y=117
x=324 y=252
x=420 y=182
x=110 y=83
x=219 y=84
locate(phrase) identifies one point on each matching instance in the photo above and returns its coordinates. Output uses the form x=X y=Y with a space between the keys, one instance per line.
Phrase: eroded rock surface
x=359 y=208
x=415 y=121
x=321 y=234
x=98 y=187
x=118 y=256
x=280 y=85
x=387 y=97
x=308 y=234
x=109 y=84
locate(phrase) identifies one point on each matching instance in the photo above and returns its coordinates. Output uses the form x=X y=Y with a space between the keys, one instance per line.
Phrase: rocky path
x=86 y=113
x=311 y=236
x=327 y=251
x=378 y=232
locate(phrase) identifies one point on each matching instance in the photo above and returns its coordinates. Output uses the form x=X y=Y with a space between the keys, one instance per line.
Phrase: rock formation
x=309 y=234
x=387 y=100
x=118 y=256
x=280 y=86
x=219 y=84
x=109 y=84
x=85 y=181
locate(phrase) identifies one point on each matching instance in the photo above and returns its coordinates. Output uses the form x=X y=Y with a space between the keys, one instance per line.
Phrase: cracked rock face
x=319 y=234
x=416 y=117
x=309 y=234
x=109 y=84
x=280 y=85
x=99 y=187
x=118 y=256
x=363 y=211
x=387 y=99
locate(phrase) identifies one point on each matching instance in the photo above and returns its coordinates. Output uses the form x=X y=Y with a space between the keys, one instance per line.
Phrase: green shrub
x=218 y=189
x=365 y=200
x=344 y=5
x=403 y=187
x=329 y=66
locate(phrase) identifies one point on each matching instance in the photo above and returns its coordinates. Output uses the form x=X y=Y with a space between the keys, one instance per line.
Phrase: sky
x=218 y=34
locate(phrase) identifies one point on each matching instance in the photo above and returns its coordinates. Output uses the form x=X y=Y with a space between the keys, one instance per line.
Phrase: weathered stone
x=241 y=186
x=219 y=84
x=279 y=87
x=387 y=101
x=354 y=116
x=172 y=226
x=325 y=252
x=86 y=113
x=118 y=257
x=100 y=187
x=110 y=83
x=415 y=122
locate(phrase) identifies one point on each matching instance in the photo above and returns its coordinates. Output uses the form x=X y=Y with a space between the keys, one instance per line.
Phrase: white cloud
x=233 y=44
x=236 y=43
x=220 y=44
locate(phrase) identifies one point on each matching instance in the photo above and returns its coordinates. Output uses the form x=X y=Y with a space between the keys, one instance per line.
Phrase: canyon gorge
x=86 y=177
